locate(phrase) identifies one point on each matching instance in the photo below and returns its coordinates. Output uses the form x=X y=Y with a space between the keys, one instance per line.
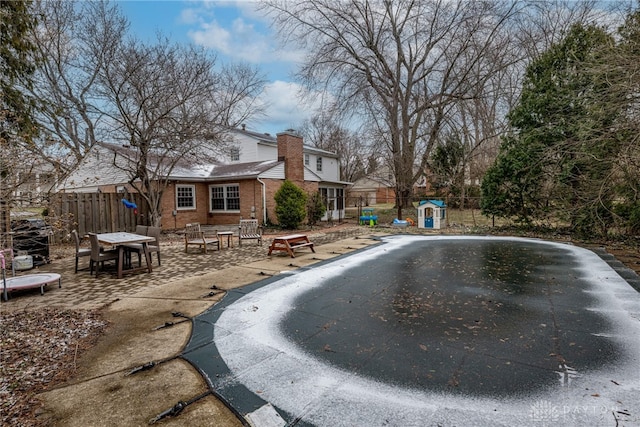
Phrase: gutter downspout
x=264 y=201
x=174 y=211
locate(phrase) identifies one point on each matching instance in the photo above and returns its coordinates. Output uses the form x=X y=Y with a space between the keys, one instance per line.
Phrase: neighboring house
x=371 y=190
x=242 y=185
x=379 y=187
x=33 y=183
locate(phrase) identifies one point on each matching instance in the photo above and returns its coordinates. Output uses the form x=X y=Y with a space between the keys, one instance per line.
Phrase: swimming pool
x=444 y=329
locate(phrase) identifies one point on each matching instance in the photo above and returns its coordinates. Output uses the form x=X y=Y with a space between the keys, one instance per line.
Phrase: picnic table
x=290 y=243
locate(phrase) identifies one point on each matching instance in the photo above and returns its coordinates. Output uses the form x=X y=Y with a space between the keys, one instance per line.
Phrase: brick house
x=370 y=190
x=241 y=185
x=378 y=187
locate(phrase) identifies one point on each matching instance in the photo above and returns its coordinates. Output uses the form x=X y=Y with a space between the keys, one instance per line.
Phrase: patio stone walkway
x=82 y=291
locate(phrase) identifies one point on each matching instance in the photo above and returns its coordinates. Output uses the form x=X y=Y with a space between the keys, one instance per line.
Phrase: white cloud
x=225 y=30
x=288 y=105
x=237 y=30
x=188 y=16
x=213 y=36
x=239 y=40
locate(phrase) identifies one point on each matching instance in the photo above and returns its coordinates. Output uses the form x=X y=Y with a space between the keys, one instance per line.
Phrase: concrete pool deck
x=102 y=393
x=528 y=341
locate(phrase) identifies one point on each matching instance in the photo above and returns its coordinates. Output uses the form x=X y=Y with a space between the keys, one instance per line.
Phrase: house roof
x=338 y=182
x=264 y=137
x=438 y=203
x=182 y=168
x=318 y=151
x=241 y=171
x=370 y=183
x=268 y=139
x=209 y=170
x=221 y=171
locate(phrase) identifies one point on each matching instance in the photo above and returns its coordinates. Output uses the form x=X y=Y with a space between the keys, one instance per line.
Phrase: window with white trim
x=225 y=198
x=306 y=160
x=319 y=164
x=234 y=154
x=333 y=198
x=185 y=197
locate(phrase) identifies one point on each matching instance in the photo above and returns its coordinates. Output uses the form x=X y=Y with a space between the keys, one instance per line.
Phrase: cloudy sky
x=236 y=32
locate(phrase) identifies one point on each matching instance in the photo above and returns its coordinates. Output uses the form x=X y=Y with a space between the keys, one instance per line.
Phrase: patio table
x=120 y=240
x=229 y=235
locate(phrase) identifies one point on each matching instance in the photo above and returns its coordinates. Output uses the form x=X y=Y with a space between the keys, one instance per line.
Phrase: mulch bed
x=39 y=350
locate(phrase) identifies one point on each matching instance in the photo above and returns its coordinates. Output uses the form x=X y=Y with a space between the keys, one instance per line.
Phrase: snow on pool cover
x=439 y=330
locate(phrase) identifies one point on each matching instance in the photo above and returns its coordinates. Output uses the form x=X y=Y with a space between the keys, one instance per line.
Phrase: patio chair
x=80 y=251
x=142 y=229
x=98 y=256
x=194 y=236
x=155 y=246
x=249 y=229
x=131 y=248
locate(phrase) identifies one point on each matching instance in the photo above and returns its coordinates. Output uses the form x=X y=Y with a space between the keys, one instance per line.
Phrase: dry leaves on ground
x=38 y=350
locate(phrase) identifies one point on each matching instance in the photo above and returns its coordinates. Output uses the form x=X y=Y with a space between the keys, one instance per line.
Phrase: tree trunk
x=403 y=200
x=399 y=204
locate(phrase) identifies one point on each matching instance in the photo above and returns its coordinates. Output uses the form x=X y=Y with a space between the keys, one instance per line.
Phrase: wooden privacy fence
x=95 y=212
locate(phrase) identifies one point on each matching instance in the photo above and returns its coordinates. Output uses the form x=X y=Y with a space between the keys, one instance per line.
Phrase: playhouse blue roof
x=438 y=203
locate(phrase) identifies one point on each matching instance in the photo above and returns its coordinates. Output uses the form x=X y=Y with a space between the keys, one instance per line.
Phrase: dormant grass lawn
x=455 y=217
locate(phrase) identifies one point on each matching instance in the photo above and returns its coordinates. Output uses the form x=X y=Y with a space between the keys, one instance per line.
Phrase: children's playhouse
x=432 y=214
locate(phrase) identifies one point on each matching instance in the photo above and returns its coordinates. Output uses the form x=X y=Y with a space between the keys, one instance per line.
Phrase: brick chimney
x=290 y=150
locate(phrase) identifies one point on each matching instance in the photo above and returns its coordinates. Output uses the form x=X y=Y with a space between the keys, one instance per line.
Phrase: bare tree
x=325 y=132
x=620 y=68
x=480 y=122
x=74 y=43
x=168 y=103
x=472 y=128
x=402 y=64
x=545 y=23
x=239 y=85
x=16 y=168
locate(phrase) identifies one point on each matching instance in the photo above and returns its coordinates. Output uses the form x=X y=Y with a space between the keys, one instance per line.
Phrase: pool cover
x=441 y=330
